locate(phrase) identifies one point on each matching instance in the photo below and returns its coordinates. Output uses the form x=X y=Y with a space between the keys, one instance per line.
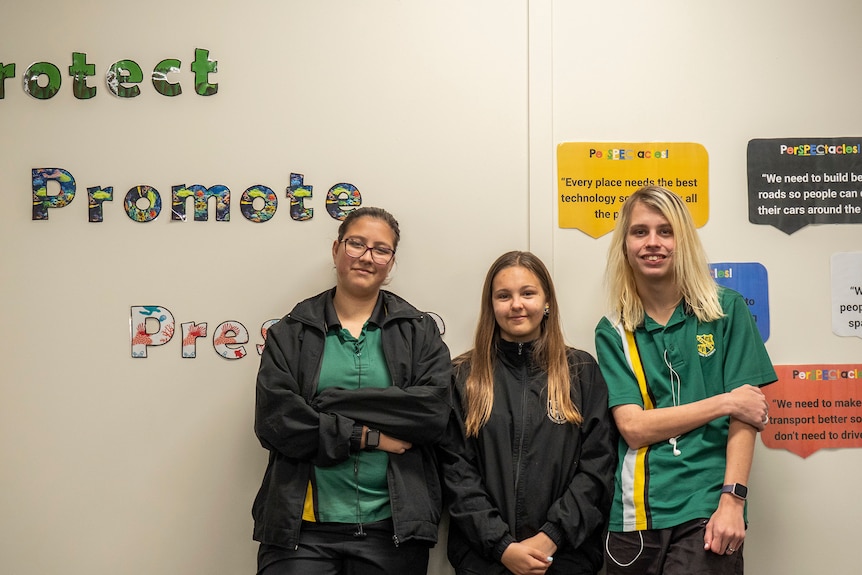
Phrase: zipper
x=520 y=453
x=524 y=376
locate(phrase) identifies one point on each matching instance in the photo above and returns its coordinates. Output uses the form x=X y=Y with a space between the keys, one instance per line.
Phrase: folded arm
x=641 y=427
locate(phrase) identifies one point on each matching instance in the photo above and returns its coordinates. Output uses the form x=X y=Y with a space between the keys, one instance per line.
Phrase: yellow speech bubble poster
x=595 y=178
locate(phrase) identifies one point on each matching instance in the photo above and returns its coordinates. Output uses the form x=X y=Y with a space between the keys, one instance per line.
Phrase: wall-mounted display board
x=794 y=182
x=752 y=281
x=814 y=407
x=595 y=178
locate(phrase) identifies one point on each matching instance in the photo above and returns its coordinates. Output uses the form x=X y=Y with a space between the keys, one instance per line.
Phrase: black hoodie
x=525 y=473
x=302 y=428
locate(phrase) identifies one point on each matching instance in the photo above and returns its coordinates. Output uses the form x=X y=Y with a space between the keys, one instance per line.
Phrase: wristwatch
x=736 y=489
x=372 y=439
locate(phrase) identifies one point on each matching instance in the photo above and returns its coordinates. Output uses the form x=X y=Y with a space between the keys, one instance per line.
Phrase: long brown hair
x=549 y=350
x=690 y=268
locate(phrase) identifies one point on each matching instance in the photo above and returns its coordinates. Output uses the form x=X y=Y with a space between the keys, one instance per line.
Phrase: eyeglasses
x=356 y=248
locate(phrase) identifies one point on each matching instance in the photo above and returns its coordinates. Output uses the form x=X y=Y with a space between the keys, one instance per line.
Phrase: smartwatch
x=372 y=439
x=736 y=489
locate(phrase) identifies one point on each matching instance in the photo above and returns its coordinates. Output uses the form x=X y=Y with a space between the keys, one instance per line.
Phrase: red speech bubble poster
x=814 y=407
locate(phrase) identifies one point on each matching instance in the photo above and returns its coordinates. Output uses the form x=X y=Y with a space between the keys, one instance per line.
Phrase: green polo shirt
x=356 y=489
x=654 y=488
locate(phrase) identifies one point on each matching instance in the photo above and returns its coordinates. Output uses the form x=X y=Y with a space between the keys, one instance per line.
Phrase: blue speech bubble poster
x=750 y=279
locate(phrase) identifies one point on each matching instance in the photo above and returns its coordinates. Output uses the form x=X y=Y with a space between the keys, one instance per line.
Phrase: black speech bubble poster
x=794 y=182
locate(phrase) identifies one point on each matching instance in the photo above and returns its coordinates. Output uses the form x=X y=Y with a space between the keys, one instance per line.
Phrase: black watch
x=736 y=489
x=372 y=439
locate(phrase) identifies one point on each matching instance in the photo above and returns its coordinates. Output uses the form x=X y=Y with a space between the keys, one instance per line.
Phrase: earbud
x=676 y=451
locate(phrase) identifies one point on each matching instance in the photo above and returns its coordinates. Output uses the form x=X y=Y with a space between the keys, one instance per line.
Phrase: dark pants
x=674 y=551
x=334 y=549
x=562 y=565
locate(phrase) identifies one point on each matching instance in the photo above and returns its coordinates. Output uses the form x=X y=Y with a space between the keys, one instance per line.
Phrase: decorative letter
x=79 y=71
x=202 y=66
x=41 y=200
x=296 y=193
x=201 y=195
x=141 y=338
x=122 y=73
x=191 y=332
x=160 y=78
x=227 y=334
x=341 y=195
x=143 y=193
x=95 y=197
x=246 y=204
x=263 y=329
x=7 y=71
x=31 y=80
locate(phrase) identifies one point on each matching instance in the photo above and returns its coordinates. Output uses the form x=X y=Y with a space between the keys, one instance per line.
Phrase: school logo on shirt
x=705 y=345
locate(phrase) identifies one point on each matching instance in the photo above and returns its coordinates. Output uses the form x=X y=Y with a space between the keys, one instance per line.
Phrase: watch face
x=736 y=489
x=372 y=439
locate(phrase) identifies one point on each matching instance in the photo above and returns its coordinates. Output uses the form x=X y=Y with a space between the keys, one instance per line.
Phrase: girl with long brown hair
x=528 y=458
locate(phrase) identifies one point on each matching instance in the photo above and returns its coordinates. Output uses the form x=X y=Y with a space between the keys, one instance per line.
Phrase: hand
x=541 y=542
x=387 y=443
x=521 y=559
x=725 y=531
x=749 y=405
x=390 y=444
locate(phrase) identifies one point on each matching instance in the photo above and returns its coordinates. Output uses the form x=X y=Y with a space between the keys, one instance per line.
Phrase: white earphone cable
x=675 y=397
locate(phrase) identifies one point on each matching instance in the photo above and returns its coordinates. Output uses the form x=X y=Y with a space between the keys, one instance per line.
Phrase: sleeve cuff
x=502 y=545
x=555 y=533
x=356 y=439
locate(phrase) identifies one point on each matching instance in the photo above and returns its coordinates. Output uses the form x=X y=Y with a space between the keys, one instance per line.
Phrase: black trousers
x=336 y=549
x=673 y=551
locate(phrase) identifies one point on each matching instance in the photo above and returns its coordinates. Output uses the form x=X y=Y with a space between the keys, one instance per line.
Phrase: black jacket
x=524 y=473
x=302 y=428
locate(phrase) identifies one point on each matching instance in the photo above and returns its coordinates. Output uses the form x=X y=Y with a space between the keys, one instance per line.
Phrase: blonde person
x=351 y=396
x=528 y=458
x=683 y=360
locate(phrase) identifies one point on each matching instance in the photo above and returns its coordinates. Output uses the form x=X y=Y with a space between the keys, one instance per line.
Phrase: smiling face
x=650 y=244
x=361 y=277
x=519 y=304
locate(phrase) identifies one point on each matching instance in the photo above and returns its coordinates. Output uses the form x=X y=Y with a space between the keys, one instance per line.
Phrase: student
x=352 y=393
x=682 y=358
x=528 y=458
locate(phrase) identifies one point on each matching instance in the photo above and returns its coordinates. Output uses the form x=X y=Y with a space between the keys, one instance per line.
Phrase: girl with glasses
x=351 y=398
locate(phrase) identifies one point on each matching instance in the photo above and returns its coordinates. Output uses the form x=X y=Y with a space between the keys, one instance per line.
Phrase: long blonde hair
x=549 y=350
x=690 y=265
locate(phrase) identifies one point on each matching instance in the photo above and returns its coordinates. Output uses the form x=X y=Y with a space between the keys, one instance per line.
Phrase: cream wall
x=446 y=113
x=720 y=74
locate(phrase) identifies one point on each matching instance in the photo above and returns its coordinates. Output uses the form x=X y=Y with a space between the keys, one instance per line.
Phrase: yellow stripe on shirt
x=634 y=472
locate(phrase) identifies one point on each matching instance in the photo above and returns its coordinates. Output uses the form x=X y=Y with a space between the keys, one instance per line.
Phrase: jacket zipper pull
x=520 y=348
